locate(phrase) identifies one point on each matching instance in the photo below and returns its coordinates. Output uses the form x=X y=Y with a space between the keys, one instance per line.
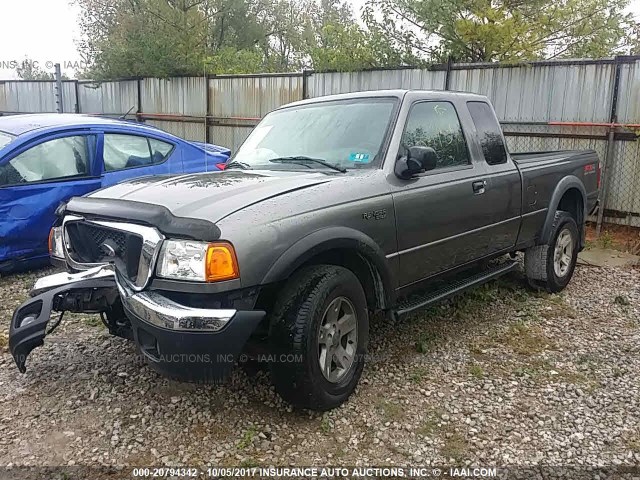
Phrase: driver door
x=440 y=214
x=34 y=180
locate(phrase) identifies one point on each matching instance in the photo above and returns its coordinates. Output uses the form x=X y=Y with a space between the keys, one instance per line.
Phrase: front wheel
x=551 y=266
x=318 y=333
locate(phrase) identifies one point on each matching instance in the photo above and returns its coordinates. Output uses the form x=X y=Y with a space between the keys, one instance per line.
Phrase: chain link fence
x=622 y=192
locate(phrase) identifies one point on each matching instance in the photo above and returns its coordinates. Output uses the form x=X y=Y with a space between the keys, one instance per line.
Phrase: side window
x=489 y=133
x=159 y=150
x=436 y=125
x=56 y=159
x=129 y=151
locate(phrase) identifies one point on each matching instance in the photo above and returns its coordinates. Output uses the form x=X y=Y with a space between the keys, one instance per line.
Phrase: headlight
x=197 y=261
x=55 y=243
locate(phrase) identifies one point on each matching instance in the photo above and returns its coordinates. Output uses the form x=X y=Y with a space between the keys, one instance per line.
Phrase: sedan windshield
x=5 y=138
x=344 y=134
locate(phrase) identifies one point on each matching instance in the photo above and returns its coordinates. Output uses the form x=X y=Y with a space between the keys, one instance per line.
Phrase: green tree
x=30 y=70
x=501 y=30
x=130 y=38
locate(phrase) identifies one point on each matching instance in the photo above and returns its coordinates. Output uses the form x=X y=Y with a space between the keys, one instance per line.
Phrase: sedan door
x=34 y=180
x=126 y=155
x=441 y=214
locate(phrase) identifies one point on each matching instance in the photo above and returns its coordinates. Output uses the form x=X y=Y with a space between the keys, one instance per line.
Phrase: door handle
x=479 y=187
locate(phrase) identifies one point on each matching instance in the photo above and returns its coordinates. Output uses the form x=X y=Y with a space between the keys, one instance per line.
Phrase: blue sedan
x=45 y=159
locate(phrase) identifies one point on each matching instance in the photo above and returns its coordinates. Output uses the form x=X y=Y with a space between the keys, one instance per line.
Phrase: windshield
x=5 y=138
x=344 y=133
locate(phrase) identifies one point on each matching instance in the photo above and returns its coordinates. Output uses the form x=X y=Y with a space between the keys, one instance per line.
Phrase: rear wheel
x=551 y=266
x=318 y=334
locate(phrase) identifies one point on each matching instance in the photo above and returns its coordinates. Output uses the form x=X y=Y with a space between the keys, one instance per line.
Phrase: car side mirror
x=417 y=160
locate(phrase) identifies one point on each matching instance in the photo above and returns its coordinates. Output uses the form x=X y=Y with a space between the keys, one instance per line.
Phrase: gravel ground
x=500 y=376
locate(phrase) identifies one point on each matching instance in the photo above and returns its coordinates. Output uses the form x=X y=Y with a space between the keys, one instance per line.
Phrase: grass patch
x=430 y=424
x=586 y=359
x=524 y=339
x=534 y=369
x=605 y=240
x=92 y=320
x=579 y=379
x=247 y=438
x=428 y=427
x=633 y=442
x=455 y=446
x=4 y=340
x=325 y=425
x=622 y=300
x=467 y=304
x=476 y=371
x=249 y=463
x=426 y=341
x=392 y=412
x=560 y=308
x=418 y=374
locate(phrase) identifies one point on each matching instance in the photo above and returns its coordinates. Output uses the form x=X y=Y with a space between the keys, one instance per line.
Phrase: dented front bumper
x=188 y=343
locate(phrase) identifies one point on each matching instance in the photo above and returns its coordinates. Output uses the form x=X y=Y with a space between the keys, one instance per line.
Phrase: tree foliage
x=502 y=30
x=30 y=70
x=130 y=38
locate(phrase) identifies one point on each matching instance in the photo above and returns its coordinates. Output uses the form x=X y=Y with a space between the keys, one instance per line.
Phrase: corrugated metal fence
x=574 y=104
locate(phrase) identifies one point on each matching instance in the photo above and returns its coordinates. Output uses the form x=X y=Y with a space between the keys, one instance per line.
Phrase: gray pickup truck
x=333 y=209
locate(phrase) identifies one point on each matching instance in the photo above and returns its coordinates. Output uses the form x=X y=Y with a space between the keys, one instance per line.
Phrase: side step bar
x=454 y=288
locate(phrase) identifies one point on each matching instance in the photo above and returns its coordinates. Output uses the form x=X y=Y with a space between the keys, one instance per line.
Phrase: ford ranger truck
x=333 y=208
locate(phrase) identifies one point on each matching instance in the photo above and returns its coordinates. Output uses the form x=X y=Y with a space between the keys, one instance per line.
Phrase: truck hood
x=212 y=196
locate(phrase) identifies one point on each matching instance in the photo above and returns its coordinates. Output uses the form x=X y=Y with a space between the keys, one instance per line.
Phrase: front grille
x=90 y=244
x=104 y=238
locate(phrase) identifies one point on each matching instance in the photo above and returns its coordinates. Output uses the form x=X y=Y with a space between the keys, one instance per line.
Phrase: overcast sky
x=45 y=31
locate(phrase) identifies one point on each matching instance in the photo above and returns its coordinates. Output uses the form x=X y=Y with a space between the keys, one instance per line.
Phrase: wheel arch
x=569 y=195
x=344 y=247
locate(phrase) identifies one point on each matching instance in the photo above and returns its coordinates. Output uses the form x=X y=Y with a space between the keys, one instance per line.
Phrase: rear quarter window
x=5 y=139
x=489 y=132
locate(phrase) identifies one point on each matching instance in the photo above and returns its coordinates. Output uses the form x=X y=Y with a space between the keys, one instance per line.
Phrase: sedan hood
x=211 y=196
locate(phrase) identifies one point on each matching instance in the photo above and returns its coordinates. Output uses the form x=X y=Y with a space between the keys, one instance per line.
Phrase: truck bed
x=550 y=156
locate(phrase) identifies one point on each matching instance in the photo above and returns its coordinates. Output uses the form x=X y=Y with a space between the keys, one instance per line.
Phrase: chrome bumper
x=148 y=306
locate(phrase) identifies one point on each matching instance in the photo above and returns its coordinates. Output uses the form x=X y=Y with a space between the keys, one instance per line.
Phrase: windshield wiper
x=302 y=160
x=240 y=165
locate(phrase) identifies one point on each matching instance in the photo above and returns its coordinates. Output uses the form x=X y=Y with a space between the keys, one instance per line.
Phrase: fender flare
x=568 y=182
x=329 y=239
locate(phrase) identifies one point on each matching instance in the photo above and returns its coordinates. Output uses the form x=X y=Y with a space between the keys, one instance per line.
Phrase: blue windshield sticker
x=359 y=157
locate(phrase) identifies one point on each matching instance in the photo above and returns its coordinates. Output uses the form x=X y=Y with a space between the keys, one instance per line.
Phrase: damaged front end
x=115 y=263
x=91 y=291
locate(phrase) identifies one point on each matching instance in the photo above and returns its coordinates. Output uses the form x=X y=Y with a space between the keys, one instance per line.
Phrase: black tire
x=539 y=261
x=294 y=330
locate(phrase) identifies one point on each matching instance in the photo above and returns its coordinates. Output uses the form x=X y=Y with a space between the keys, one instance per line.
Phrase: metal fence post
x=59 y=95
x=608 y=159
x=305 y=87
x=208 y=113
x=447 y=77
x=76 y=89
x=139 y=112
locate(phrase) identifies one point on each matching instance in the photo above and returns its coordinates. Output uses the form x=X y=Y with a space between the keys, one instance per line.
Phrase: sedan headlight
x=197 y=261
x=56 y=237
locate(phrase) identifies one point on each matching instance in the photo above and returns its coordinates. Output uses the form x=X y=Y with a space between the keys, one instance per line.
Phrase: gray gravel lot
x=500 y=376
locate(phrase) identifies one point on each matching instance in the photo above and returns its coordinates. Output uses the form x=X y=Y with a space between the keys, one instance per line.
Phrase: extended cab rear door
x=503 y=192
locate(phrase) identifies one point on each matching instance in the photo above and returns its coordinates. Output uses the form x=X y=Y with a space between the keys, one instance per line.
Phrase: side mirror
x=418 y=160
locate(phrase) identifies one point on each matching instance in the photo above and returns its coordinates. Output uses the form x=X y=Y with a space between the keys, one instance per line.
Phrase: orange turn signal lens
x=222 y=263
x=50 y=241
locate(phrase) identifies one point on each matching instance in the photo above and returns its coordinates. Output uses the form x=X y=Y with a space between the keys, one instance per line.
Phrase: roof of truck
x=397 y=93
